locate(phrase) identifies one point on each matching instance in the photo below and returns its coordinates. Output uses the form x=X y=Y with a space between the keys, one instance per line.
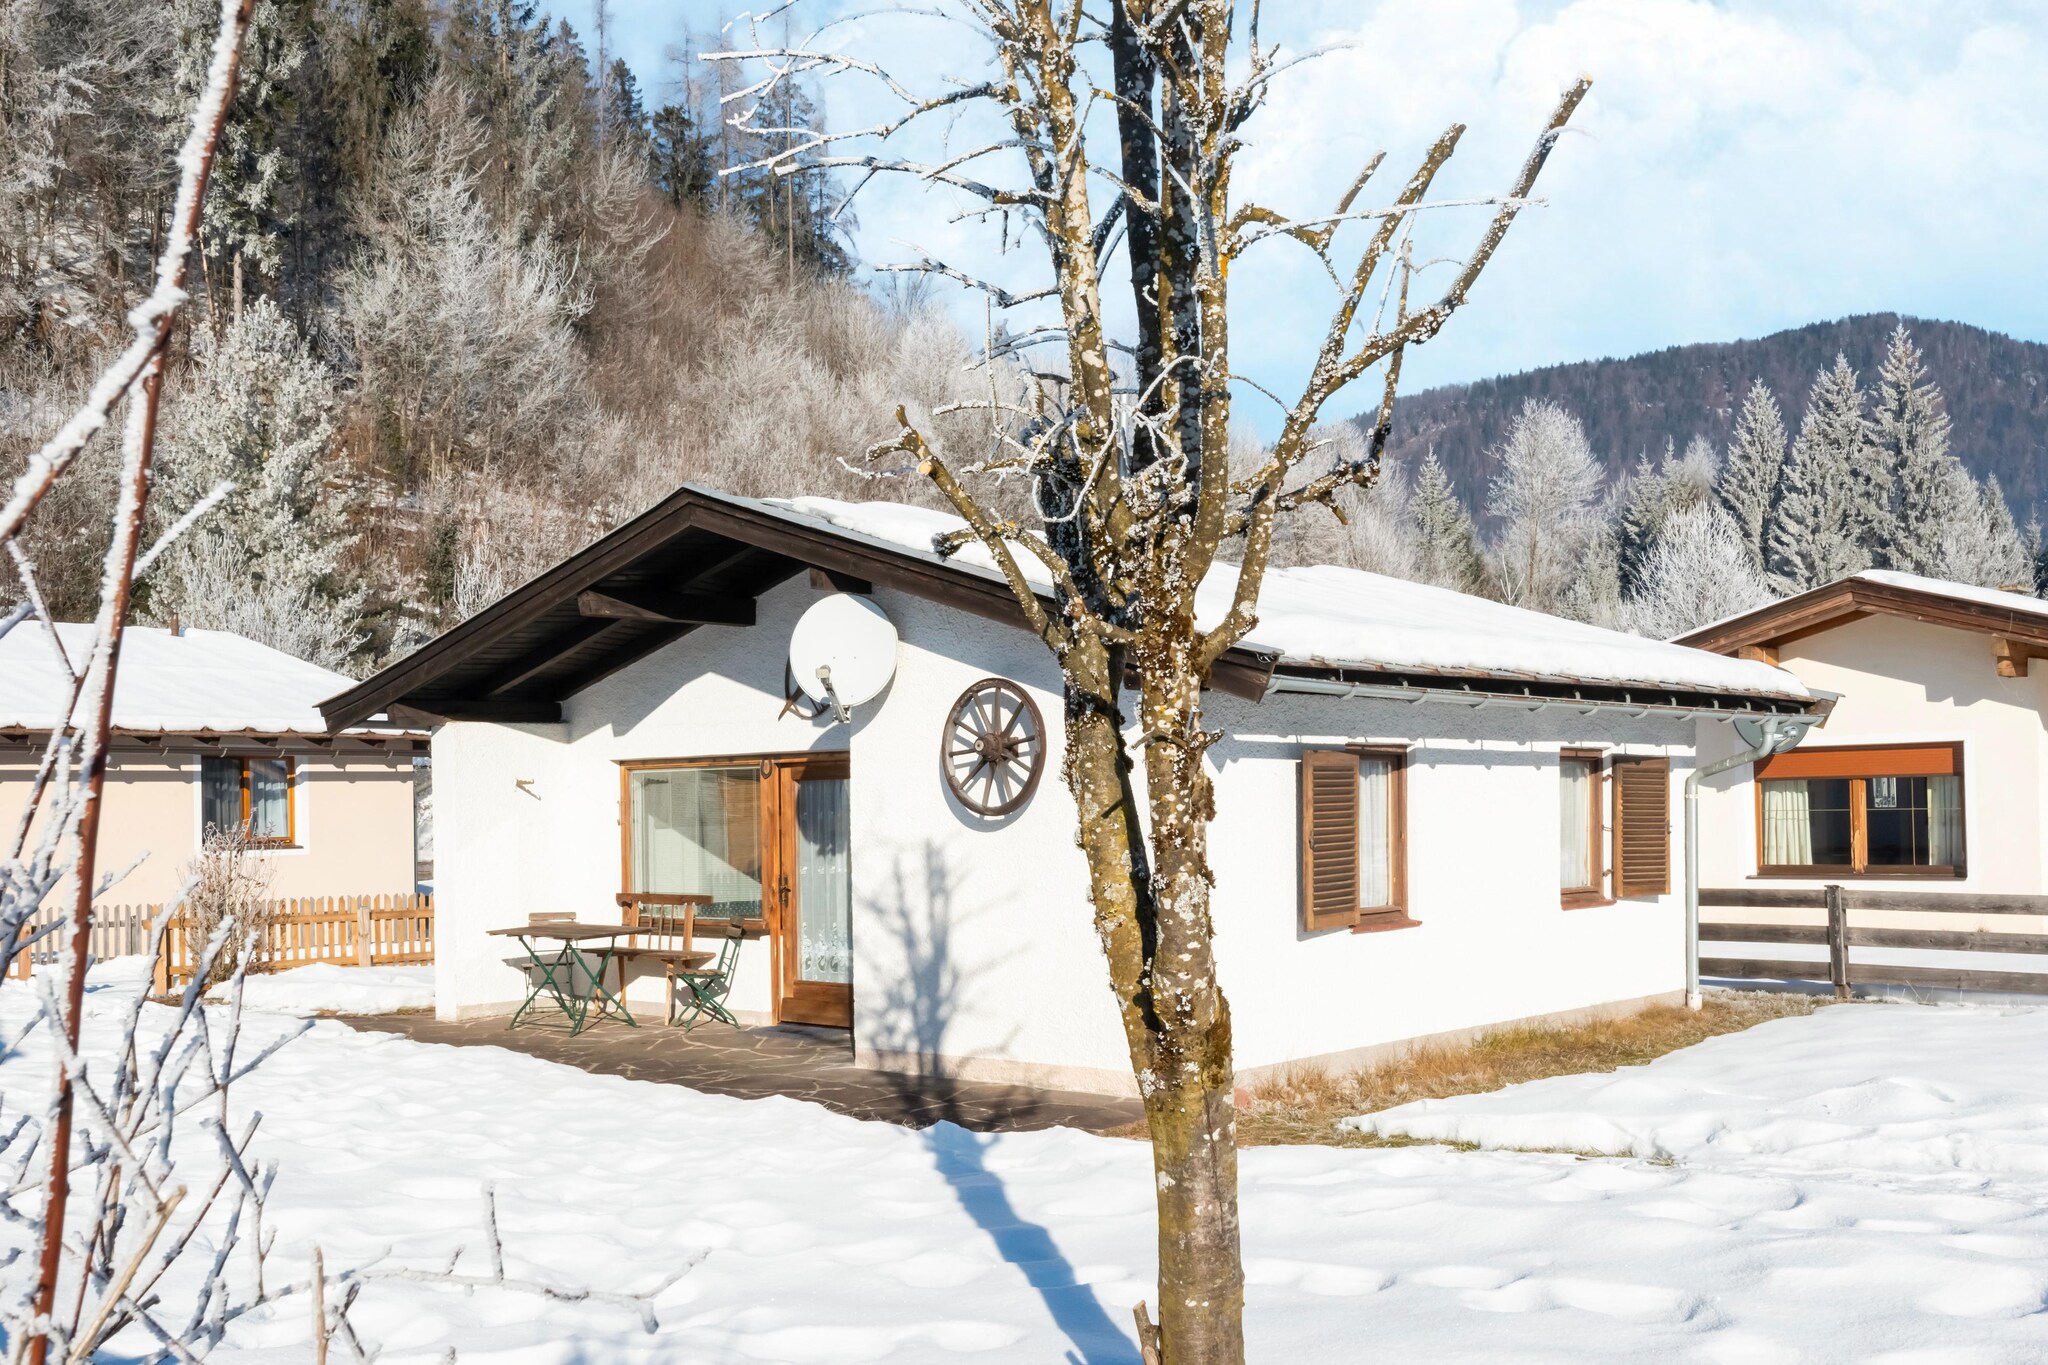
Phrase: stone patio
x=751 y=1063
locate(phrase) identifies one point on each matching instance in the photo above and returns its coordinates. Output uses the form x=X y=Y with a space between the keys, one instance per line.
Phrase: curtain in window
x=1575 y=833
x=1375 y=832
x=220 y=795
x=270 y=798
x=824 y=888
x=1788 y=825
x=698 y=831
x=1945 y=821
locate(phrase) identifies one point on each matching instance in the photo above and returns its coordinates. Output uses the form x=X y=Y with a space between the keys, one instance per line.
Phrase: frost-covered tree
x=1446 y=542
x=1911 y=430
x=1136 y=488
x=1813 y=533
x=1747 y=485
x=1698 y=571
x=1980 y=543
x=257 y=413
x=1544 y=489
x=1651 y=496
x=464 y=330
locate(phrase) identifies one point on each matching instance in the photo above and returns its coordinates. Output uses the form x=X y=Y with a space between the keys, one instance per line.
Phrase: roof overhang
x=2023 y=634
x=363 y=743
x=1511 y=692
x=697 y=558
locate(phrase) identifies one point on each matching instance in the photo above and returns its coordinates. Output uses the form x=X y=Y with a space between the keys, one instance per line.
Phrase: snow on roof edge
x=1321 y=614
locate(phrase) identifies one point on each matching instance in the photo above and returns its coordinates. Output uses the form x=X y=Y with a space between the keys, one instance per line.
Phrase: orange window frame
x=1859 y=764
x=290 y=838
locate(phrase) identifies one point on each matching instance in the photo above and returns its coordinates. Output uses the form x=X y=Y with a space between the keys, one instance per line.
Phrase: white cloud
x=1739 y=167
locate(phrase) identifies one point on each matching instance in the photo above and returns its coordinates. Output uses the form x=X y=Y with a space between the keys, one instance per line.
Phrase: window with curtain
x=1882 y=811
x=1578 y=827
x=1354 y=834
x=253 y=795
x=698 y=831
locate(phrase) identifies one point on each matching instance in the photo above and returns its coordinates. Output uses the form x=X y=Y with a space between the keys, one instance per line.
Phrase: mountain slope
x=1996 y=389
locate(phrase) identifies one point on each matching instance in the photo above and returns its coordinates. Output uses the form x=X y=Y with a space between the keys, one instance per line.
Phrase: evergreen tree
x=1912 y=430
x=1821 y=498
x=1651 y=497
x=1447 y=544
x=1748 y=482
x=258 y=414
x=625 y=117
x=1980 y=543
x=678 y=157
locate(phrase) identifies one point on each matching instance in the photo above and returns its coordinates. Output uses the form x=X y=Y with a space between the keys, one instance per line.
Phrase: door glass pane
x=824 y=893
x=698 y=831
x=270 y=799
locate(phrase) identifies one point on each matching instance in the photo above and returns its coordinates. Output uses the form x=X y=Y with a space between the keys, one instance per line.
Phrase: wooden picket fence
x=351 y=931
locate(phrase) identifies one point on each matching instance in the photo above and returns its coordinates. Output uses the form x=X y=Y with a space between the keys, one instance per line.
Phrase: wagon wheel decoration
x=994 y=748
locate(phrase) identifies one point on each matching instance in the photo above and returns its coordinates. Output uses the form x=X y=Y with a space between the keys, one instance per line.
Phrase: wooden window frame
x=1859 y=763
x=291 y=795
x=754 y=926
x=1375 y=919
x=1595 y=893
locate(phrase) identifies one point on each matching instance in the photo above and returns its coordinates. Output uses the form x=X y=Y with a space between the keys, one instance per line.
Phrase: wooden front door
x=810 y=889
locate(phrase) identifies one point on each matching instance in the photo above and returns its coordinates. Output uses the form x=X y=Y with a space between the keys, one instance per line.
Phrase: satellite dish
x=843 y=652
x=1774 y=735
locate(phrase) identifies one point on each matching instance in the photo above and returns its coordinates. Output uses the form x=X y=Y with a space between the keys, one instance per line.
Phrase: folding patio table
x=574 y=1003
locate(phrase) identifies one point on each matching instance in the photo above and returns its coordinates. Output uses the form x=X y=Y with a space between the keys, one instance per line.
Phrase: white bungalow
x=1485 y=793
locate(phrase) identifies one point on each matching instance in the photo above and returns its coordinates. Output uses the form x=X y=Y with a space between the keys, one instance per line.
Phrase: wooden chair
x=663 y=927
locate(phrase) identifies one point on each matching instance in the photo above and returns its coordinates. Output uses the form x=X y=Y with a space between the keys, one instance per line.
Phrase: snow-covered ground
x=327 y=988
x=1925 y=1090
x=818 y=1238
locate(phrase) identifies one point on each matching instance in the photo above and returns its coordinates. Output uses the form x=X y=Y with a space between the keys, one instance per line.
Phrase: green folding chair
x=697 y=992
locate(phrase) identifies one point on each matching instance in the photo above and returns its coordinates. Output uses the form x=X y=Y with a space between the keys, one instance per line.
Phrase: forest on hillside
x=461 y=305
x=1996 y=389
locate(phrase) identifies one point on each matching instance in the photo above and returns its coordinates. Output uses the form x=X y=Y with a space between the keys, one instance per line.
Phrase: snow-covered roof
x=1957 y=592
x=198 y=680
x=1346 y=618
x=1963 y=605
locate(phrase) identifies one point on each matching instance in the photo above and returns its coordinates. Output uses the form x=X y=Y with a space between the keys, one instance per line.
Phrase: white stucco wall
x=974 y=943
x=1908 y=682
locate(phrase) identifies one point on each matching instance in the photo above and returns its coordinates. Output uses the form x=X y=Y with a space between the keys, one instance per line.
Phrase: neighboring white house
x=211 y=729
x=1930 y=770
x=1459 y=778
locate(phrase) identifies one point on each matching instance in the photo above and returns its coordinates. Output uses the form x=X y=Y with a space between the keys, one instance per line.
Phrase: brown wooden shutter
x=1642 y=826
x=1329 y=839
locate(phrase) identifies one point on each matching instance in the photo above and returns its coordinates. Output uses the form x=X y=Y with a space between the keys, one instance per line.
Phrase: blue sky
x=1740 y=166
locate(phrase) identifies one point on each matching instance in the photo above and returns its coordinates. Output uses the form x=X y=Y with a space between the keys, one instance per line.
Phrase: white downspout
x=1775 y=736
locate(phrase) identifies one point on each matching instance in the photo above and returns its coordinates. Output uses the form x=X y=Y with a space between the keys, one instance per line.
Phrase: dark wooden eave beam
x=666 y=608
x=501 y=711
x=832 y=580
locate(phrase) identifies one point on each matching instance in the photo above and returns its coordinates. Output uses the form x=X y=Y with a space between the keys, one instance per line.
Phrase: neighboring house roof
x=701 y=557
x=197 y=682
x=2016 y=622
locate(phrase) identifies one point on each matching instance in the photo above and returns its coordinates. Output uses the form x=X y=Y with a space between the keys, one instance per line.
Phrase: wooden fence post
x=1838 y=942
x=364 y=942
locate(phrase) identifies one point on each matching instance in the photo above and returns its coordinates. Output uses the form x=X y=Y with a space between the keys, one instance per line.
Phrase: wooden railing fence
x=356 y=931
x=1840 y=937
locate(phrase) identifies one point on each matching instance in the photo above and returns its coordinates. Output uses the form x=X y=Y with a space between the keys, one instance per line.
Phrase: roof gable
x=2017 y=624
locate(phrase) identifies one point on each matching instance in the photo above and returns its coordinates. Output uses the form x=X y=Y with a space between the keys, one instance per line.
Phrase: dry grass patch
x=1303 y=1104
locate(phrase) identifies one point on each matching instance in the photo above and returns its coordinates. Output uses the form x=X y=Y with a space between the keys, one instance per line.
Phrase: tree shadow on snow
x=928 y=986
